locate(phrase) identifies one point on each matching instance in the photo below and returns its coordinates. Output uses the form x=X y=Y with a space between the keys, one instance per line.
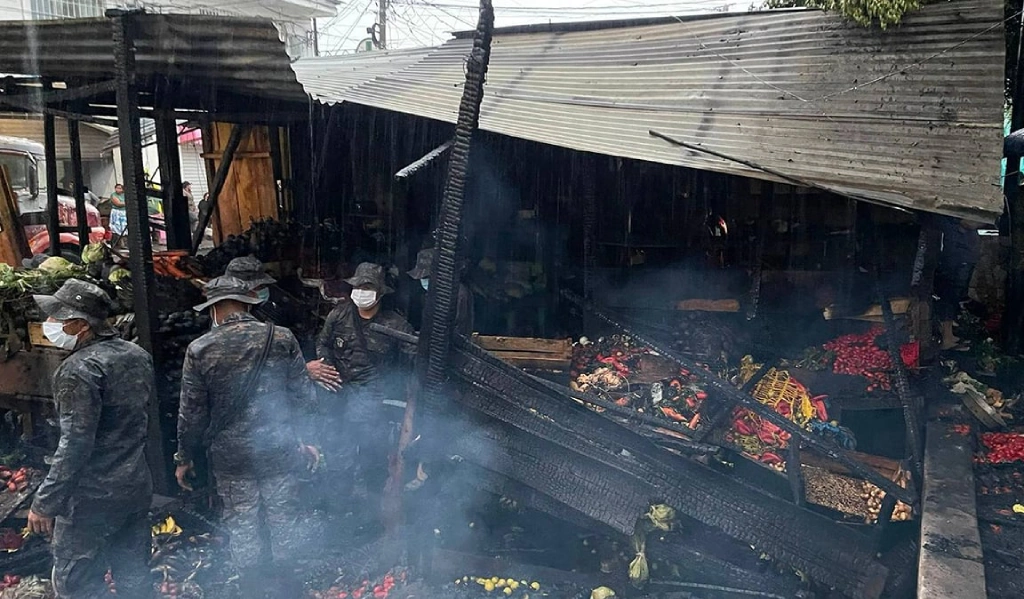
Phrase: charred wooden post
x=179 y=233
x=794 y=473
x=140 y=246
x=81 y=216
x=444 y=288
x=52 y=201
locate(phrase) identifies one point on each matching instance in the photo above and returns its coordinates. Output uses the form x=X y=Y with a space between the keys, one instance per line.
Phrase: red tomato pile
x=859 y=355
x=365 y=589
x=1003 y=448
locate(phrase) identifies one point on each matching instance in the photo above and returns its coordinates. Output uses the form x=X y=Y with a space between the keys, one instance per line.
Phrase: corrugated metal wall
x=31 y=127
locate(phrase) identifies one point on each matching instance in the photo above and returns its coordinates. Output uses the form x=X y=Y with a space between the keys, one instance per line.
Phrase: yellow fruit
x=535 y=586
x=494 y=579
x=508 y=590
x=501 y=582
x=513 y=585
x=488 y=586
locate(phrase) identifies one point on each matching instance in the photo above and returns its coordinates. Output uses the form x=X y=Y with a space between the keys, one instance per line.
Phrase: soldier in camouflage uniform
x=464 y=301
x=354 y=419
x=250 y=423
x=388 y=354
x=96 y=496
x=251 y=271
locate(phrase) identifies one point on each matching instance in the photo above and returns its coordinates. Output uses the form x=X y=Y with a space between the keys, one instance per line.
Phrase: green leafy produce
x=94 y=253
x=884 y=13
x=56 y=265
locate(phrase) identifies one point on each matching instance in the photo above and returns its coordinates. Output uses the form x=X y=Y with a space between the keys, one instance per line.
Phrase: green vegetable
x=56 y=265
x=119 y=274
x=94 y=253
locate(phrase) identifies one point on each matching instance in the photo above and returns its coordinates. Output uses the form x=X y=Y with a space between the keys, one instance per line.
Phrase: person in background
x=252 y=272
x=246 y=398
x=118 y=216
x=193 y=210
x=91 y=197
x=355 y=436
x=960 y=253
x=96 y=496
x=464 y=305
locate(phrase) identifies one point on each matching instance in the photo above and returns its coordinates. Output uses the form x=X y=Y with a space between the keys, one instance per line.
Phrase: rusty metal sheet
x=911 y=117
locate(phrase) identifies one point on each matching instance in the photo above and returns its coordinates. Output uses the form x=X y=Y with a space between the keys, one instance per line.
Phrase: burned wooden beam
x=425 y=161
x=548 y=441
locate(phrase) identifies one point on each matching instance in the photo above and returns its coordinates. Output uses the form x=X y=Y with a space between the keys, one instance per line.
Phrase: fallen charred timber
x=611 y=474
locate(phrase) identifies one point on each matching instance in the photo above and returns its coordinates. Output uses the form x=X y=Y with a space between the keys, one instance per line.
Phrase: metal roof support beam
x=140 y=246
x=176 y=209
x=427 y=159
x=238 y=133
x=52 y=201
x=75 y=140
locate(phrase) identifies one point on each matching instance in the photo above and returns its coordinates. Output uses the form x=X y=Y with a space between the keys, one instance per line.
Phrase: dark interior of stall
x=716 y=265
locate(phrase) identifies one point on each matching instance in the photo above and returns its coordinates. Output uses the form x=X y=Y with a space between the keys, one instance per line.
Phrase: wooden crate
x=36 y=338
x=529 y=352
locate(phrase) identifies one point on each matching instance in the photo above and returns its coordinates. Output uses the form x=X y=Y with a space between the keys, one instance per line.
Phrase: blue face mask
x=425 y=283
x=263 y=295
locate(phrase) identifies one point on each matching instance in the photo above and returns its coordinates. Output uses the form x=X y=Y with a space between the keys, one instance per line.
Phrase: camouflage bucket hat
x=78 y=299
x=424 y=262
x=250 y=271
x=226 y=288
x=368 y=273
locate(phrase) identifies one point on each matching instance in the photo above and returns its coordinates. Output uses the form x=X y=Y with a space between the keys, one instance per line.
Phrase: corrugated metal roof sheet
x=232 y=54
x=911 y=116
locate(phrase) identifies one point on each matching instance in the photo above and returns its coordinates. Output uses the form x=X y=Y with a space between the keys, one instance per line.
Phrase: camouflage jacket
x=102 y=392
x=244 y=433
x=388 y=353
x=343 y=344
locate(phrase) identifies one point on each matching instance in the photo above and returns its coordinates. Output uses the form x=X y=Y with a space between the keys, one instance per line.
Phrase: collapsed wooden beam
x=611 y=474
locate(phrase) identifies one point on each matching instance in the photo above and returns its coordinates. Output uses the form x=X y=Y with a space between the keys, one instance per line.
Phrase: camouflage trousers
x=86 y=546
x=262 y=515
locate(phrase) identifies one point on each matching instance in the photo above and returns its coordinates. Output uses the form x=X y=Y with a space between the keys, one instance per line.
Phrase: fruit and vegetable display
x=14 y=480
x=380 y=588
x=762 y=440
x=616 y=368
x=1003 y=448
x=860 y=355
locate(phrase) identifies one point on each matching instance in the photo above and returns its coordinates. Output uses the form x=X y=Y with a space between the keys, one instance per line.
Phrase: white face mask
x=54 y=332
x=425 y=283
x=364 y=298
x=263 y=295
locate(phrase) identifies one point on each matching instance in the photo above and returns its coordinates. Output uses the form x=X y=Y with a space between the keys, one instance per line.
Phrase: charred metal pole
x=444 y=276
x=140 y=246
x=179 y=234
x=238 y=133
x=52 y=201
x=81 y=216
x=1014 y=317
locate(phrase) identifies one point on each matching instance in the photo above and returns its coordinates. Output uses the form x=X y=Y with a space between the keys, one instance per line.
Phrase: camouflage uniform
x=99 y=486
x=354 y=418
x=387 y=353
x=254 y=441
x=464 y=301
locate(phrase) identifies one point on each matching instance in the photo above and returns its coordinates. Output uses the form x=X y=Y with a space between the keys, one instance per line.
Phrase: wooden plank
x=528 y=344
x=539 y=361
x=885 y=466
x=706 y=305
x=220 y=155
x=900 y=305
x=28 y=373
x=250 y=192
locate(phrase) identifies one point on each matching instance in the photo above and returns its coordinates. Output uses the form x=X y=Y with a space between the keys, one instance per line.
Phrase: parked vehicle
x=25 y=161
